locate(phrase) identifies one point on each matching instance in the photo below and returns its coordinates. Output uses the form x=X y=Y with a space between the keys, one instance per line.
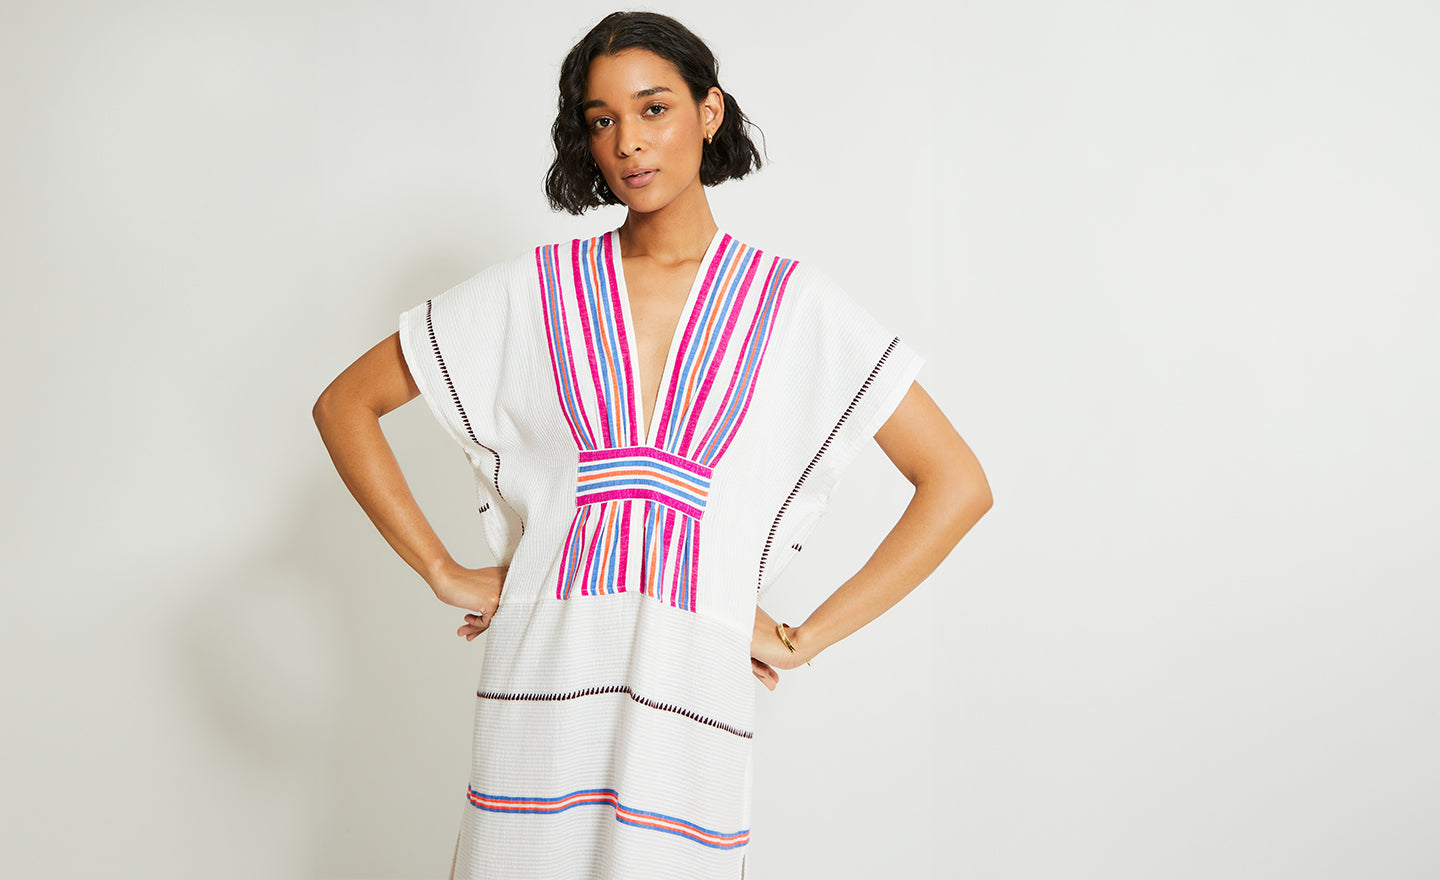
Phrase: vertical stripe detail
x=557 y=338
x=639 y=506
x=747 y=369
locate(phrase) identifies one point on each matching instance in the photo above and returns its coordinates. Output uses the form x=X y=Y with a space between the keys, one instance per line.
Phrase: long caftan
x=615 y=705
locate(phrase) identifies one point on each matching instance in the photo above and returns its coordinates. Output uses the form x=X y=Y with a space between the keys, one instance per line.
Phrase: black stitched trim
x=854 y=401
x=440 y=359
x=455 y=396
x=620 y=689
x=484 y=507
x=796 y=547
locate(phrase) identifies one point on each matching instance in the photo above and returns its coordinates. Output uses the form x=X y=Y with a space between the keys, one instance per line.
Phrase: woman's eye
x=603 y=122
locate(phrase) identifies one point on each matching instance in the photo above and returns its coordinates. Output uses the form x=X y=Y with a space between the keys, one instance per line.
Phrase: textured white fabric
x=615 y=706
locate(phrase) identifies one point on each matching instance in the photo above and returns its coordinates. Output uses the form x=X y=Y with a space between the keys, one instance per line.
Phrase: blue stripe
x=700 y=829
x=665 y=488
x=562 y=346
x=762 y=330
x=641 y=461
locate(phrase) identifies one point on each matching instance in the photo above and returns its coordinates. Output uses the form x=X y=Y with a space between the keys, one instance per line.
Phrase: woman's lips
x=640 y=180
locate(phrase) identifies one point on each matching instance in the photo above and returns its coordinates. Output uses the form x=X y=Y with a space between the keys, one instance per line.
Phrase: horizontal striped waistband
x=643 y=472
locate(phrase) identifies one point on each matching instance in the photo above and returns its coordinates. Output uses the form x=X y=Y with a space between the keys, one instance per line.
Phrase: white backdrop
x=1174 y=270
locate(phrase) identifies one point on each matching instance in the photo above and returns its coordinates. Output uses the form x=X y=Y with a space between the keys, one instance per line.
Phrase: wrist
x=794 y=644
x=438 y=571
x=807 y=642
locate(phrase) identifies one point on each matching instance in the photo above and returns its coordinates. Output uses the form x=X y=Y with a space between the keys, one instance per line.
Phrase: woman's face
x=641 y=118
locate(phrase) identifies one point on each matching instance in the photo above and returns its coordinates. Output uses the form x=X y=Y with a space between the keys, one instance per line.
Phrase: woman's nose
x=627 y=137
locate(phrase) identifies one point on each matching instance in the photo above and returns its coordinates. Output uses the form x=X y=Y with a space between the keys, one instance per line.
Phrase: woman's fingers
x=474 y=625
x=763 y=671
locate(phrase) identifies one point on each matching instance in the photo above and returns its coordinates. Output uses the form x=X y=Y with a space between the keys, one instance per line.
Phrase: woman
x=656 y=417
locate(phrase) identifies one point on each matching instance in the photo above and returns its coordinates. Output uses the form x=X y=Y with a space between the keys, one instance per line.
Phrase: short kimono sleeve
x=444 y=341
x=861 y=360
x=459 y=348
x=844 y=372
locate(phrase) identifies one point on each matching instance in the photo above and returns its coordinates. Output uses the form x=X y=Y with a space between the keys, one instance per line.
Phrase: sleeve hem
x=898 y=373
x=904 y=369
x=418 y=372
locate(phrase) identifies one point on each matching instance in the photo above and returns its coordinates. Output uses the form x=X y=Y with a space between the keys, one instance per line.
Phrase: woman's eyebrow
x=643 y=93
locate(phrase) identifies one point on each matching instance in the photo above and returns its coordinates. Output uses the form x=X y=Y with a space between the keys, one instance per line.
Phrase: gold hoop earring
x=707 y=137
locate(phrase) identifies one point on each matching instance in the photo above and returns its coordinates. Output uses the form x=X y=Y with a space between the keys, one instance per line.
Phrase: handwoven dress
x=615 y=705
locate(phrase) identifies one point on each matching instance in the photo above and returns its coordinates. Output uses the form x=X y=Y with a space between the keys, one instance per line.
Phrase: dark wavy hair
x=574 y=183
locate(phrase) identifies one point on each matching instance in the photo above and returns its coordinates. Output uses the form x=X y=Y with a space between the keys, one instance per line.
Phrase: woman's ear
x=714 y=106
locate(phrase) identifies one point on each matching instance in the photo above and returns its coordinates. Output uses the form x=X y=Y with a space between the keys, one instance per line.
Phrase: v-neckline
x=636 y=391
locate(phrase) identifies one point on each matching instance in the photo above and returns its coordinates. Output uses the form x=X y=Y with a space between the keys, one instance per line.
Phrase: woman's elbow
x=980 y=488
x=972 y=500
x=332 y=402
x=967 y=491
x=324 y=406
x=981 y=499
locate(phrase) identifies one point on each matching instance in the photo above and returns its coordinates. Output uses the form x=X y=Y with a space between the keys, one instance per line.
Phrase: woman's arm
x=951 y=494
x=348 y=415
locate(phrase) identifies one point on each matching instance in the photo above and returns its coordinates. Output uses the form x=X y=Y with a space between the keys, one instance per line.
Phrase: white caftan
x=614 y=712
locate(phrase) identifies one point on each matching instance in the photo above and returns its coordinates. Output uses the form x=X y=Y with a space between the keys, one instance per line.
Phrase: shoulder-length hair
x=574 y=183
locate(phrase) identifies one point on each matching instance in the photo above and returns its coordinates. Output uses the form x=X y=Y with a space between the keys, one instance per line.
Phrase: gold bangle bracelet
x=780 y=629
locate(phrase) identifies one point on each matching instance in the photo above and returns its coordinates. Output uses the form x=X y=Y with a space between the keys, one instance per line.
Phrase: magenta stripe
x=648 y=452
x=746 y=372
x=680 y=569
x=704 y=445
x=666 y=549
x=719 y=357
x=631 y=402
x=657 y=550
x=608 y=527
x=624 y=544
x=730 y=299
x=759 y=357
x=589 y=339
x=545 y=304
x=566 y=578
x=588 y=567
x=710 y=271
x=638 y=492
x=694 y=562
x=574 y=383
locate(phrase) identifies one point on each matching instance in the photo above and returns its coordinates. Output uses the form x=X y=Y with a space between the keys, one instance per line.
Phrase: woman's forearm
x=939 y=514
x=367 y=465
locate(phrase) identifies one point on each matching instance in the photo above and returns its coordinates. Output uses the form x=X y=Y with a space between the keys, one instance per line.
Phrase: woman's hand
x=768 y=676
x=476 y=590
x=767 y=653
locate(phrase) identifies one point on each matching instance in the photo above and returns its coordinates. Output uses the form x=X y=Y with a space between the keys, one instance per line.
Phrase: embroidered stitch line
x=854 y=401
x=459 y=407
x=618 y=689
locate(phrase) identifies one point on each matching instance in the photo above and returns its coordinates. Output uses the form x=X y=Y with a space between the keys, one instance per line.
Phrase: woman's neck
x=680 y=231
